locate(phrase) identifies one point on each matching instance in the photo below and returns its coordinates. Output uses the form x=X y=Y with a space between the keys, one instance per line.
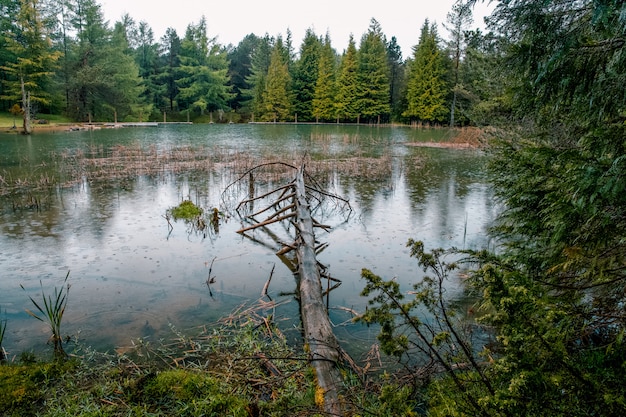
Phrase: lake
x=94 y=203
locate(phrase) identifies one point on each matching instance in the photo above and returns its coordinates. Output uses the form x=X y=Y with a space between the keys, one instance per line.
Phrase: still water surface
x=131 y=277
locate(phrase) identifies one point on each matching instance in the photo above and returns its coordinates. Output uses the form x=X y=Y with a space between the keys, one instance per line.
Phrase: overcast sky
x=231 y=21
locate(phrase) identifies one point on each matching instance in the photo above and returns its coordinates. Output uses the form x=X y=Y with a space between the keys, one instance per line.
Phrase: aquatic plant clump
x=186 y=210
x=51 y=312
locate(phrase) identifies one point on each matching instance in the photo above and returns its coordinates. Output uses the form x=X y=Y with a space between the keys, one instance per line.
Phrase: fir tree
x=305 y=75
x=373 y=75
x=426 y=89
x=324 y=95
x=346 y=99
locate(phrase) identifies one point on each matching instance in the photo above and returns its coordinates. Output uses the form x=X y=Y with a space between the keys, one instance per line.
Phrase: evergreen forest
x=546 y=82
x=62 y=57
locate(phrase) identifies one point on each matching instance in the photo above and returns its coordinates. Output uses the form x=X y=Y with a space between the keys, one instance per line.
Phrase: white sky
x=231 y=21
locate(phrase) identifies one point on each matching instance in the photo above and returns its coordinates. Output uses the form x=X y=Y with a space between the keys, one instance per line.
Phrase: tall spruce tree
x=458 y=21
x=346 y=104
x=396 y=77
x=373 y=91
x=305 y=75
x=325 y=87
x=261 y=58
x=170 y=48
x=240 y=69
x=426 y=88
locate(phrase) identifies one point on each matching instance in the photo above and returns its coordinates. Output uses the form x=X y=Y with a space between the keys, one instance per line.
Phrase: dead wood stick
x=286 y=249
x=317 y=190
x=265 y=223
x=267 y=283
x=329 y=289
x=248 y=200
x=322 y=226
x=284 y=209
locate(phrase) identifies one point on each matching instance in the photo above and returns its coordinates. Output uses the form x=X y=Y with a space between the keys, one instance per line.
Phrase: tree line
x=62 y=57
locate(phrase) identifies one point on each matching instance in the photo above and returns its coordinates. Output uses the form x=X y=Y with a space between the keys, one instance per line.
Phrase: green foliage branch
x=429 y=327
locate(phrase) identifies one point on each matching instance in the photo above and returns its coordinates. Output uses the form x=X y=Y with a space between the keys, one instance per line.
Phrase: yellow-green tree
x=277 y=104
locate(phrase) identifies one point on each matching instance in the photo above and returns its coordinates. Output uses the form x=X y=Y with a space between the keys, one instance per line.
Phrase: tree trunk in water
x=319 y=337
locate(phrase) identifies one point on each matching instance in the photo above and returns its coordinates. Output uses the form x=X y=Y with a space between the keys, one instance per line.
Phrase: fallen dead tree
x=292 y=204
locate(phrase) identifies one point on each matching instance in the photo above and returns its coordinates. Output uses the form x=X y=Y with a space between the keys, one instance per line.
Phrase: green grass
x=6 y=119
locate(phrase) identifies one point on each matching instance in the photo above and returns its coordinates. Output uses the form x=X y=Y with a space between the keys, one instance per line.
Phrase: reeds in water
x=50 y=311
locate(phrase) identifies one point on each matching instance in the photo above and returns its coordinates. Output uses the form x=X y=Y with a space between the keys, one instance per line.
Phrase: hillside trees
x=187 y=75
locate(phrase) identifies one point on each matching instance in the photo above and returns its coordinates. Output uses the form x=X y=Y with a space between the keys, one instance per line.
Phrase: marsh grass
x=105 y=166
x=50 y=311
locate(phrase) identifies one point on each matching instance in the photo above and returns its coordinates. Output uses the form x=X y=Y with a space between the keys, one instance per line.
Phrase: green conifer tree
x=426 y=89
x=276 y=95
x=346 y=99
x=305 y=75
x=203 y=84
x=325 y=91
x=373 y=89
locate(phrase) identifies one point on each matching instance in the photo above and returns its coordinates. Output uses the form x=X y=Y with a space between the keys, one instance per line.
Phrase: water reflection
x=133 y=277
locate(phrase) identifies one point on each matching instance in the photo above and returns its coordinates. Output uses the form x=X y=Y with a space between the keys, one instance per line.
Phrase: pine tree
x=240 y=69
x=325 y=91
x=346 y=99
x=373 y=90
x=426 y=89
